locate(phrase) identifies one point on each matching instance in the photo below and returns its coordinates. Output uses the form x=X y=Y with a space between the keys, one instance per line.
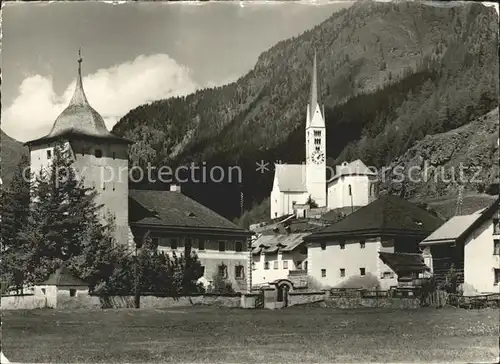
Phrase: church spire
x=79 y=97
x=314 y=88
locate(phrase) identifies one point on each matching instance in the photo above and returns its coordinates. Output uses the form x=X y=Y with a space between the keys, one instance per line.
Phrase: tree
x=15 y=203
x=65 y=226
x=312 y=204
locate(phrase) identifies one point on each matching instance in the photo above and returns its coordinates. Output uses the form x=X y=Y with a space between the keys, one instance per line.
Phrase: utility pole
x=460 y=200
x=138 y=245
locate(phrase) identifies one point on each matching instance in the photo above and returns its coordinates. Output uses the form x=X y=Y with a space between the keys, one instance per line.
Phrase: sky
x=132 y=53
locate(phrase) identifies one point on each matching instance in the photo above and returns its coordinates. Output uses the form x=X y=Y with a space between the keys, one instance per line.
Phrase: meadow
x=210 y=334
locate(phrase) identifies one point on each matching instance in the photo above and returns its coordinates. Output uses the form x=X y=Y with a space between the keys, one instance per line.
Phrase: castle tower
x=315 y=145
x=99 y=157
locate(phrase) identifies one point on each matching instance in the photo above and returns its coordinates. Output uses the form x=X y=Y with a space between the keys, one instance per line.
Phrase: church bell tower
x=315 y=145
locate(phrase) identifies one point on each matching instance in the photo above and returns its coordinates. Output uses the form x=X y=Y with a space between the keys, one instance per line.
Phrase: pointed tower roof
x=79 y=119
x=314 y=88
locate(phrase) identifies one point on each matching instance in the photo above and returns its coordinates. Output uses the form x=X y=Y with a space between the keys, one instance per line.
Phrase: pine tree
x=64 y=226
x=15 y=201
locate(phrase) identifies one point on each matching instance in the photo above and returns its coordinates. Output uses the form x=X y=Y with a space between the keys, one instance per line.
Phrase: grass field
x=209 y=335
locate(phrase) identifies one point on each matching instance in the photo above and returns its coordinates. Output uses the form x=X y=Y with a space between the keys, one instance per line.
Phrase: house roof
x=271 y=244
x=64 y=277
x=458 y=227
x=173 y=210
x=79 y=119
x=354 y=168
x=291 y=177
x=404 y=262
x=388 y=216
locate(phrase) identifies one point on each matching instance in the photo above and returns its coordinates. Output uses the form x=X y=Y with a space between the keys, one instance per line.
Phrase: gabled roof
x=404 y=262
x=354 y=168
x=291 y=177
x=63 y=277
x=79 y=120
x=387 y=216
x=271 y=244
x=174 y=211
x=459 y=227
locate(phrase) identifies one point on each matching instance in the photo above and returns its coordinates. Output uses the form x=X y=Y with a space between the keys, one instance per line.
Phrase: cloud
x=112 y=92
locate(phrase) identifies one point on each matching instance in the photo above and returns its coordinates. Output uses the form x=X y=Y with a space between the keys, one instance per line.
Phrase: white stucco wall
x=262 y=276
x=338 y=191
x=352 y=258
x=479 y=260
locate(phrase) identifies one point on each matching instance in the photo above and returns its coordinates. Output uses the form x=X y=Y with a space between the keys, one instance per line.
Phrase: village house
x=471 y=243
x=102 y=158
x=349 y=249
x=296 y=186
x=175 y=220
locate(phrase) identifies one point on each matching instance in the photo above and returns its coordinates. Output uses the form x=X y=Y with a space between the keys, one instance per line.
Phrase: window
x=285 y=264
x=238 y=272
x=497 y=276
x=298 y=264
x=323 y=273
x=350 y=190
x=496 y=226
x=323 y=245
x=362 y=271
x=305 y=265
x=317 y=133
x=49 y=154
x=72 y=292
x=222 y=271
x=174 y=243
x=496 y=247
x=98 y=153
x=275 y=264
x=266 y=265
x=222 y=246
x=386 y=275
x=362 y=244
x=342 y=272
x=201 y=244
x=239 y=246
x=317 y=148
x=43 y=291
x=342 y=245
x=254 y=267
x=317 y=141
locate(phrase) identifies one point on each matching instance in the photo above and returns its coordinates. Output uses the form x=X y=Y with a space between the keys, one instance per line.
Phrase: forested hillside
x=391 y=73
x=11 y=152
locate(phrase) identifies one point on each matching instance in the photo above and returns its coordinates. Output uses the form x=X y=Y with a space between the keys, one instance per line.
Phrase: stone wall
x=302 y=298
x=355 y=302
x=22 y=302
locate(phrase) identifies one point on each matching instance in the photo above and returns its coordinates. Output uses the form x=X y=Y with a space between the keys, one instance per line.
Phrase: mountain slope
x=438 y=164
x=11 y=152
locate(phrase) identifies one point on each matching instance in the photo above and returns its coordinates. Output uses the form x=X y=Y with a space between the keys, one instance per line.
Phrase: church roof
x=387 y=216
x=175 y=211
x=354 y=168
x=291 y=177
x=314 y=88
x=79 y=119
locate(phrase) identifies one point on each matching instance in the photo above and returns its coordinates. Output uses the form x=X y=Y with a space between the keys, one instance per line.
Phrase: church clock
x=318 y=157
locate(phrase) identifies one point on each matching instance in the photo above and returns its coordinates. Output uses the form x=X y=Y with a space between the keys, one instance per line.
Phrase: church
x=170 y=218
x=300 y=187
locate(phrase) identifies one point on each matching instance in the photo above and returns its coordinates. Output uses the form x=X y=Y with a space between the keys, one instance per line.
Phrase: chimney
x=175 y=188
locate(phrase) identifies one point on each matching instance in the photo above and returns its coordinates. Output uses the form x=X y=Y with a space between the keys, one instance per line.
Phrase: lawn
x=292 y=335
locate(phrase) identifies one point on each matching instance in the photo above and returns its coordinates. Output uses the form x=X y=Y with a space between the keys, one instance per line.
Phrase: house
x=296 y=186
x=472 y=244
x=61 y=286
x=350 y=248
x=277 y=256
x=175 y=221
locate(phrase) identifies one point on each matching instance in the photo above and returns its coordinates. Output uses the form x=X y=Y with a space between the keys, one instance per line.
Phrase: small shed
x=408 y=266
x=62 y=284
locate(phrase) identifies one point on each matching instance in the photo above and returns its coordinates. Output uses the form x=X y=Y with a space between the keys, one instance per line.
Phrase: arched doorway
x=283 y=288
